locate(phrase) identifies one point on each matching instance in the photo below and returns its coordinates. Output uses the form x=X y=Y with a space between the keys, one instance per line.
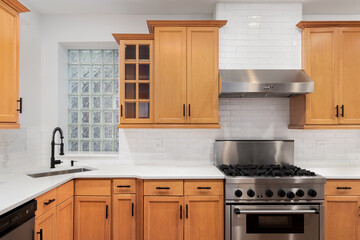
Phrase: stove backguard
x=254 y=152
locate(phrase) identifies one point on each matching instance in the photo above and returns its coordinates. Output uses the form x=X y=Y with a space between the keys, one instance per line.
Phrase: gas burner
x=271 y=170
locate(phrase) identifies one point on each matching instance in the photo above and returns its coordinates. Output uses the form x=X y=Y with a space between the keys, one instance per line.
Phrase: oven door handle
x=238 y=211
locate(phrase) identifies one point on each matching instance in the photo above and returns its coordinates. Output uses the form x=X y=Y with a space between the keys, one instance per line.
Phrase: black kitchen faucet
x=53 y=162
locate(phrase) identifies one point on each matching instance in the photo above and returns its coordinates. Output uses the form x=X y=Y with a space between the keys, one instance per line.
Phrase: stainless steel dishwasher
x=19 y=223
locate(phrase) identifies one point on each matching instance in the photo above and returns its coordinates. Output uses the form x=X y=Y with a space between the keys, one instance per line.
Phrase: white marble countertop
x=338 y=172
x=17 y=188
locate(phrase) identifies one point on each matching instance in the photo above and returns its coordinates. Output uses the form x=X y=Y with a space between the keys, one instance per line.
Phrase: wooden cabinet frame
x=9 y=56
x=136 y=81
x=179 y=87
x=313 y=111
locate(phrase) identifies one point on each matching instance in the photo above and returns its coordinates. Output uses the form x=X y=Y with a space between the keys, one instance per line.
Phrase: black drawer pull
x=50 y=201
x=343 y=188
x=107 y=212
x=163 y=188
x=187 y=211
x=203 y=188
x=41 y=234
x=20 y=101
x=132 y=209
x=181 y=211
x=337 y=111
x=124 y=186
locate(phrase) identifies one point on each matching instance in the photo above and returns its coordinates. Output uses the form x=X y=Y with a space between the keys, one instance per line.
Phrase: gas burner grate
x=272 y=170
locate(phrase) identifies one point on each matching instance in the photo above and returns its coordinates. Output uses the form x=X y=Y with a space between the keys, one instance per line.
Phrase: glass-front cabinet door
x=136 y=81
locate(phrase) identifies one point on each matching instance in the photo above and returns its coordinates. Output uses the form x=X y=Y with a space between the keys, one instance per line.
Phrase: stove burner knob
x=312 y=193
x=281 y=193
x=300 y=193
x=251 y=193
x=238 y=193
x=290 y=194
x=269 y=193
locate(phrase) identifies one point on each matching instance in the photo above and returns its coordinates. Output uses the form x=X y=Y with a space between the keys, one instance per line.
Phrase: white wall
x=331 y=17
x=256 y=36
x=24 y=146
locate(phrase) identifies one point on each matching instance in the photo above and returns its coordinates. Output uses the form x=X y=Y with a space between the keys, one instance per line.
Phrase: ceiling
x=310 y=7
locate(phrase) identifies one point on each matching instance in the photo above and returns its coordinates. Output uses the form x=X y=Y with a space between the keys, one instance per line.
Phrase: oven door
x=276 y=222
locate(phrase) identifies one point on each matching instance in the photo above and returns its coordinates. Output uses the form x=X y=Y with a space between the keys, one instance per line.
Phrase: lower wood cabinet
x=196 y=213
x=65 y=220
x=163 y=218
x=341 y=217
x=45 y=225
x=55 y=214
x=124 y=218
x=129 y=209
x=204 y=218
x=92 y=218
x=342 y=202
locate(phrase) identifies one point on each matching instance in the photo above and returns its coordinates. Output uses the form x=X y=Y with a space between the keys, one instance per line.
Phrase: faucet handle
x=72 y=162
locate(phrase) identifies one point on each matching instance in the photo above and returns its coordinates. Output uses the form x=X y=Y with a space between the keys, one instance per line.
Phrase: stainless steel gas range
x=267 y=197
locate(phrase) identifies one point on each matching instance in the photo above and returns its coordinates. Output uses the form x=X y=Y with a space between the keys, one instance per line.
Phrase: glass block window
x=93 y=109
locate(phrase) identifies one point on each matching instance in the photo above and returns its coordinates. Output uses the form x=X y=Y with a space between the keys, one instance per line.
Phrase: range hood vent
x=267 y=83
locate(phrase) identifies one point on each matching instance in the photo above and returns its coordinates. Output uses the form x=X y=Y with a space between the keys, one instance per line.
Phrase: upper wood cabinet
x=202 y=74
x=9 y=63
x=186 y=75
x=331 y=54
x=170 y=75
x=182 y=90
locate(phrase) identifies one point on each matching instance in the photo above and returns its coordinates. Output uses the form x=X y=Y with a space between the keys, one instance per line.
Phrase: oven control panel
x=285 y=192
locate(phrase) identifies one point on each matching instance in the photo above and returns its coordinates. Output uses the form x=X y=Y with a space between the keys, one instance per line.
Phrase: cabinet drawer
x=124 y=186
x=342 y=187
x=45 y=202
x=163 y=187
x=65 y=191
x=204 y=187
x=96 y=187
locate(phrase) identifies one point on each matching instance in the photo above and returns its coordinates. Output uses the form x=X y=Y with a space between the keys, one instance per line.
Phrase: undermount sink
x=59 y=172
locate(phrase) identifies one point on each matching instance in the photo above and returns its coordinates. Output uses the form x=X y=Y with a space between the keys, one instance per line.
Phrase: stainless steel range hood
x=264 y=83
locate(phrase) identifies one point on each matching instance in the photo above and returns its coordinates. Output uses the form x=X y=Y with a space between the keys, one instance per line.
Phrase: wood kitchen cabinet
x=124 y=209
x=331 y=53
x=54 y=214
x=183 y=76
x=9 y=61
x=92 y=216
x=342 y=202
x=163 y=218
x=65 y=220
x=45 y=225
x=204 y=218
x=184 y=209
x=186 y=75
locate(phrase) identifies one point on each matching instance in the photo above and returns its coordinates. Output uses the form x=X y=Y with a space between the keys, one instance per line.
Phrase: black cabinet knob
x=281 y=193
x=290 y=194
x=300 y=193
x=238 y=193
x=312 y=193
x=269 y=193
x=251 y=193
